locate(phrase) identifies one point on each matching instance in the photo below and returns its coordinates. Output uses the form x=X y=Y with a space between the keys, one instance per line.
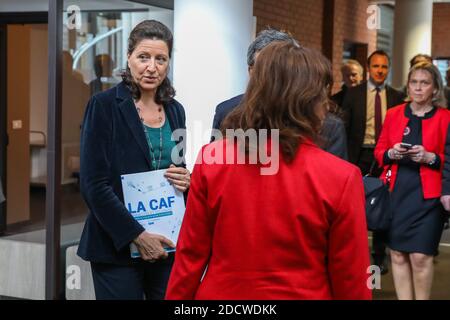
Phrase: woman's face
x=421 y=87
x=149 y=63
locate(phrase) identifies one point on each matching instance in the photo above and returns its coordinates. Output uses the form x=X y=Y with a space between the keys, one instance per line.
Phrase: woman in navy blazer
x=127 y=129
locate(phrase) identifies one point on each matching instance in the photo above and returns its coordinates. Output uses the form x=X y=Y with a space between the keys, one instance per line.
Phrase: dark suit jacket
x=446 y=168
x=354 y=109
x=333 y=131
x=113 y=143
x=447 y=96
x=223 y=109
x=338 y=98
x=334 y=136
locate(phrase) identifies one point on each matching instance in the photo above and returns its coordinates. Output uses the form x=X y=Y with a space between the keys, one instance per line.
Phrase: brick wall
x=441 y=30
x=350 y=25
x=304 y=19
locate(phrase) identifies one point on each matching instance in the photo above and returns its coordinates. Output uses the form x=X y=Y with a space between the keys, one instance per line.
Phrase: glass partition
x=94 y=34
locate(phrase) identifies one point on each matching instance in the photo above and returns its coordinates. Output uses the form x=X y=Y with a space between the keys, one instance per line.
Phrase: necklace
x=421 y=111
x=147 y=136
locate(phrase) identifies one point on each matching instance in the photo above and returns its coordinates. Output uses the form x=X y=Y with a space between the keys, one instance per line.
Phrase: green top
x=154 y=135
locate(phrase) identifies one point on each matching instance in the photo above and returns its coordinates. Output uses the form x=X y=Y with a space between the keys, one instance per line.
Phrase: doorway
x=3 y=136
x=23 y=95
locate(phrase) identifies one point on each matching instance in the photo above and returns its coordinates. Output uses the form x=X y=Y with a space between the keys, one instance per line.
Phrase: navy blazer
x=224 y=108
x=113 y=143
x=338 y=98
x=333 y=131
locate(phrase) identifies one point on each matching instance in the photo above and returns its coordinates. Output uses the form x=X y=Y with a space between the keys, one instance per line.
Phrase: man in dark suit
x=364 y=110
x=352 y=75
x=445 y=198
x=224 y=108
x=333 y=131
x=420 y=57
x=2 y=197
x=447 y=87
x=264 y=38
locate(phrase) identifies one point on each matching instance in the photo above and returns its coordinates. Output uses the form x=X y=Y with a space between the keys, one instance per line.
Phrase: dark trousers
x=143 y=280
x=366 y=158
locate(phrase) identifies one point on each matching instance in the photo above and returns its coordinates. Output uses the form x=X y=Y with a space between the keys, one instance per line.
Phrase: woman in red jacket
x=411 y=146
x=299 y=233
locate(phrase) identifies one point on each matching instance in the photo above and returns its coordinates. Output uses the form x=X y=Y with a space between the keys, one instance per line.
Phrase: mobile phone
x=406 y=146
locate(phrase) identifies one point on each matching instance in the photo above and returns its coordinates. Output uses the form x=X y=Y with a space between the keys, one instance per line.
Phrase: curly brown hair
x=287 y=91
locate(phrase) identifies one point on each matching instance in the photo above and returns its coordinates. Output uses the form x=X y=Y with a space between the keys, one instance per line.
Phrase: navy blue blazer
x=113 y=143
x=224 y=108
x=333 y=131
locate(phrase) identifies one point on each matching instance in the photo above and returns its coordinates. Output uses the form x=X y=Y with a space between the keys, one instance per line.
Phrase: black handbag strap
x=388 y=173
x=372 y=167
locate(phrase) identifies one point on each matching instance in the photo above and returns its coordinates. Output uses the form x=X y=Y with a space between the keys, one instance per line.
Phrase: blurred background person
x=127 y=129
x=281 y=236
x=445 y=198
x=333 y=130
x=411 y=146
x=103 y=67
x=447 y=87
x=352 y=75
x=420 y=57
x=2 y=196
x=364 y=109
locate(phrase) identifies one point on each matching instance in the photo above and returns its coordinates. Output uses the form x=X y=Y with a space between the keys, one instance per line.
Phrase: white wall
x=211 y=41
x=412 y=35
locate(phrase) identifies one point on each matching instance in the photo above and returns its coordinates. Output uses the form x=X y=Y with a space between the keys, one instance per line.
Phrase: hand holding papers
x=179 y=177
x=151 y=246
x=154 y=203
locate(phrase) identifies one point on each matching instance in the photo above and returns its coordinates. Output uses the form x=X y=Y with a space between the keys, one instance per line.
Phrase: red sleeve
x=348 y=244
x=383 y=141
x=194 y=242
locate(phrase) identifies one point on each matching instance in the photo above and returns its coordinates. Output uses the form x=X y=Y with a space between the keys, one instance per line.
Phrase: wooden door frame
x=6 y=19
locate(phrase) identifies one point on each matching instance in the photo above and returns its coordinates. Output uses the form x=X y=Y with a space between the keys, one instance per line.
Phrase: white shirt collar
x=372 y=86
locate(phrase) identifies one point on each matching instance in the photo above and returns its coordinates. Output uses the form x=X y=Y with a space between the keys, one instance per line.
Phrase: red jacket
x=299 y=234
x=434 y=133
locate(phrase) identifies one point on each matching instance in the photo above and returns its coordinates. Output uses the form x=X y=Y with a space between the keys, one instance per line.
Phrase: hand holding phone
x=406 y=146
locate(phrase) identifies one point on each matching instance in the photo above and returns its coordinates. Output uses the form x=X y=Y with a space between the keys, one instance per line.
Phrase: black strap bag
x=378 y=202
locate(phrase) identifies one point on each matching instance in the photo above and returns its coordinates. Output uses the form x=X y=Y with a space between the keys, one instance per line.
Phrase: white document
x=154 y=203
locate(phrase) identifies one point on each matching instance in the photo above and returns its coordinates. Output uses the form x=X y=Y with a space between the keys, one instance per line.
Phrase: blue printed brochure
x=154 y=203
